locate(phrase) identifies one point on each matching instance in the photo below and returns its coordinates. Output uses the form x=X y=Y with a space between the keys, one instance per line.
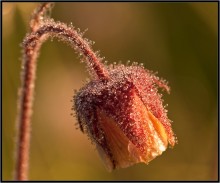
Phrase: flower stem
x=39 y=14
x=41 y=30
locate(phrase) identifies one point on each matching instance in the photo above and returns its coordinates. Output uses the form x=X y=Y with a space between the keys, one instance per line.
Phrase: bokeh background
x=179 y=40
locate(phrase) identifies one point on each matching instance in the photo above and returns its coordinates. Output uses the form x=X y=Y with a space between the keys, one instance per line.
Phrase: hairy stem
x=41 y=30
x=39 y=14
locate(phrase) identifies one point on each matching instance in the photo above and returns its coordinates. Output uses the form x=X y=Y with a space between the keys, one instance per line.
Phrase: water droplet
x=128 y=62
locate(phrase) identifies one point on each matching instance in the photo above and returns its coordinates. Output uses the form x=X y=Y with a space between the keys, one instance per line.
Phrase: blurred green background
x=179 y=40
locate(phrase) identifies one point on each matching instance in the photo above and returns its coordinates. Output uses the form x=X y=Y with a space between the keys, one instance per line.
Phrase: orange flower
x=124 y=116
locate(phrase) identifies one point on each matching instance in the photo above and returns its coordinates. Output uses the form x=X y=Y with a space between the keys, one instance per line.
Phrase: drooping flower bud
x=124 y=116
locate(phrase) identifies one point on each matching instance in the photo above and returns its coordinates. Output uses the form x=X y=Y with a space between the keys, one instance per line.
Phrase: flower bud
x=124 y=116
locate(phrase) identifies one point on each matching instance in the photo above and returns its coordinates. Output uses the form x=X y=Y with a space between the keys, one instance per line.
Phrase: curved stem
x=31 y=46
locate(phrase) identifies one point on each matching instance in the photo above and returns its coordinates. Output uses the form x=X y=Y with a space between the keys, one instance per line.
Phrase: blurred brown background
x=179 y=40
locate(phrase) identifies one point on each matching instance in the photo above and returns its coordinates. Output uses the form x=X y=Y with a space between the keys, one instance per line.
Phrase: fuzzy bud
x=124 y=116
